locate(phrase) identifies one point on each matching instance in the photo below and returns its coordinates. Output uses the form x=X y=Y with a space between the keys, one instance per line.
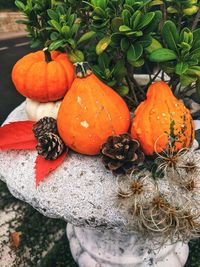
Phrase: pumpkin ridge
x=46 y=81
x=15 y=73
x=106 y=91
x=68 y=68
x=87 y=85
x=31 y=89
x=64 y=71
x=149 y=121
x=25 y=77
x=109 y=118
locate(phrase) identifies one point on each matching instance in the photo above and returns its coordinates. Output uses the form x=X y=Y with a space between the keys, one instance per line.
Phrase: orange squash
x=160 y=117
x=42 y=76
x=90 y=113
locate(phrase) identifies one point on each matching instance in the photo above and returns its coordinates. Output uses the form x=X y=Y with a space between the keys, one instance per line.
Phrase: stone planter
x=81 y=192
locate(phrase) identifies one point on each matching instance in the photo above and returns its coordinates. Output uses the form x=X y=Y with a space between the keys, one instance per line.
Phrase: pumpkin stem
x=82 y=69
x=47 y=55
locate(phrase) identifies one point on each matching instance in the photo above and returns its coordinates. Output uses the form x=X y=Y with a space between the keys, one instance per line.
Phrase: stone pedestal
x=109 y=248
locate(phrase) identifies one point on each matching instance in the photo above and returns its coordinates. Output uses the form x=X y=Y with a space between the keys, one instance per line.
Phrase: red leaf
x=17 y=135
x=43 y=167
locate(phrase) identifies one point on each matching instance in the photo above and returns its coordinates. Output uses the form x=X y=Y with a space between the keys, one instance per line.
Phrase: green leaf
x=195 y=54
x=54 y=36
x=20 y=5
x=100 y=12
x=72 y=43
x=126 y=15
x=55 y=45
x=53 y=15
x=56 y=25
x=129 y=8
x=168 y=67
x=181 y=68
x=186 y=80
x=154 y=24
x=134 y=33
x=170 y=35
x=65 y=30
x=74 y=28
x=195 y=70
x=146 y=20
x=155 y=3
x=103 y=3
x=122 y=90
x=192 y=62
x=134 y=53
x=36 y=43
x=155 y=44
x=120 y=70
x=172 y=10
x=116 y=23
x=186 y=36
x=86 y=36
x=103 y=44
x=162 y=55
x=124 y=44
x=116 y=38
x=138 y=63
x=124 y=28
x=196 y=39
x=103 y=61
x=76 y=56
x=21 y=21
x=145 y=41
x=135 y=19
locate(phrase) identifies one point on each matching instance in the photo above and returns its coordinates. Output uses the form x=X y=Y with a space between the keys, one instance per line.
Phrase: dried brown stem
x=131 y=86
x=196 y=20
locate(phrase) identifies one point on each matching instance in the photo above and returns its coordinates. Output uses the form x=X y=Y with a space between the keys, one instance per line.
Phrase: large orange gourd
x=159 y=117
x=90 y=113
x=42 y=76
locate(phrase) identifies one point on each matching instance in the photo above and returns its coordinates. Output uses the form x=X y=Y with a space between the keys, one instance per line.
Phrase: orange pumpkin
x=90 y=113
x=159 y=117
x=43 y=78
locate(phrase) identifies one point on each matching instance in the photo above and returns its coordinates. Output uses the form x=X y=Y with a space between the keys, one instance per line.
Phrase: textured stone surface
x=112 y=249
x=80 y=191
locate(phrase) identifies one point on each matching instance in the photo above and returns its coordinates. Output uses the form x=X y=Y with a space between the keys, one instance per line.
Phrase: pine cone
x=50 y=146
x=45 y=125
x=121 y=153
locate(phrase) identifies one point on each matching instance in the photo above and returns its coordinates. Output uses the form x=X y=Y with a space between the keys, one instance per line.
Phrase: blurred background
x=13 y=45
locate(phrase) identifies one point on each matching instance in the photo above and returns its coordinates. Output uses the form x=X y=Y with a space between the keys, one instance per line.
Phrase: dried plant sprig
x=168 y=158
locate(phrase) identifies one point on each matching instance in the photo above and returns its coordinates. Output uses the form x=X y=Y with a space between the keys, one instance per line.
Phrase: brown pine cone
x=50 y=146
x=45 y=125
x=121 y=153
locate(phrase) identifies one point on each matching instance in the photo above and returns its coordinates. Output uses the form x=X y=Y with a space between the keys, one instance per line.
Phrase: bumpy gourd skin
x=89 y=114
x=43 y=81
x=159 y=116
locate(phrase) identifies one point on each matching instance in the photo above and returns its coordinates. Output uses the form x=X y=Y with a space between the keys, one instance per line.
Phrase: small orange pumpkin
x=159 y=117
x=42 y=76
x=90 y=113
